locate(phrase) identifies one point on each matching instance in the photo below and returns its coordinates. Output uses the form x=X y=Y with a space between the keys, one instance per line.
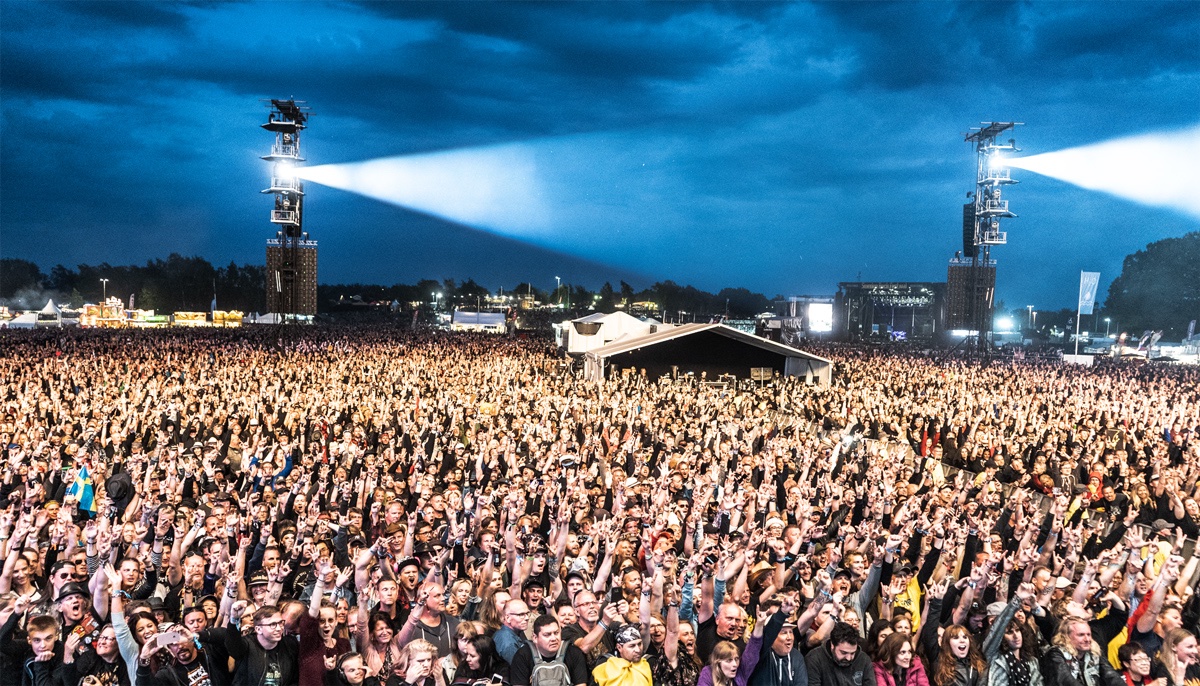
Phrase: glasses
x=271 y=625
x=519 y=614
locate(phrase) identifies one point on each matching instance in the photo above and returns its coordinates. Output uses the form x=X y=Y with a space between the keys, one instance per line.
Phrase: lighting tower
x=291 y=256
x=984 y=215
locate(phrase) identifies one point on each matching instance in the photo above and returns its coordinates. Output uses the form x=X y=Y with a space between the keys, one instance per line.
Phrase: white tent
x=28 y=320
x=50 y=315
x=599 y=329
x=487 y=322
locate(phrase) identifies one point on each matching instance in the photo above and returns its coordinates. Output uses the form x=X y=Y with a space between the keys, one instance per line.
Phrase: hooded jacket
x=823 y=669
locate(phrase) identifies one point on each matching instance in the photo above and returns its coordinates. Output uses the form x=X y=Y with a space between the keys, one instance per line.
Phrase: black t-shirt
x=195 y=673
x=707 y=639
x=607 y=644
x=522 y=665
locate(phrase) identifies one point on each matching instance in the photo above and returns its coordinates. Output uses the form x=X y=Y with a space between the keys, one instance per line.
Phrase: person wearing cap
x=192 y=659
x=629 y=666
x=781 y=663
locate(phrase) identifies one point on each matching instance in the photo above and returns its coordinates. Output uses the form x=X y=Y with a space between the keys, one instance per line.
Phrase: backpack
x=549 y=672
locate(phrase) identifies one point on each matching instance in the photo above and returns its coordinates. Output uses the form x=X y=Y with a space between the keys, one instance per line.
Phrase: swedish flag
x=82 y=490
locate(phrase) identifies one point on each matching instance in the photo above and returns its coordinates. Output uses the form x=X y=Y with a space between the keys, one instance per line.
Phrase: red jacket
x=916 y=675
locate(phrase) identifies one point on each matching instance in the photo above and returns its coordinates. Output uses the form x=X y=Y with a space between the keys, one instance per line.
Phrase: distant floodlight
x=1158 y=169
x=1004 y=324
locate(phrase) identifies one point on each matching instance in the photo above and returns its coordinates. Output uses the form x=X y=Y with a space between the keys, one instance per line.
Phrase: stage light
x=1158 y=169
x=1004 y=324
x=285 y=171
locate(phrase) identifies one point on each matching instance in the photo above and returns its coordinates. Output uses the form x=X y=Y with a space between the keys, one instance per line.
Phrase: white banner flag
x=1088 y=283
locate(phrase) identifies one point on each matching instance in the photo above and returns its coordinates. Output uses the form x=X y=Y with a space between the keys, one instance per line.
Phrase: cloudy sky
x=781 y=147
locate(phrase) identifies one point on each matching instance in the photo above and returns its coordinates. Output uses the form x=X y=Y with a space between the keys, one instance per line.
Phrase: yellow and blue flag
x=82 y=490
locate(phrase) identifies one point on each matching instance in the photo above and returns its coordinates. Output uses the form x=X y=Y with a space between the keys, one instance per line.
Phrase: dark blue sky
x=782 y=147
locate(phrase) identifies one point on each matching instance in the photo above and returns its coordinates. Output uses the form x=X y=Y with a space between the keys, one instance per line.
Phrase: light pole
x=558 y=289
x=104 y=284
x=1107 y=323
x=1029 y=320
x=435 y=301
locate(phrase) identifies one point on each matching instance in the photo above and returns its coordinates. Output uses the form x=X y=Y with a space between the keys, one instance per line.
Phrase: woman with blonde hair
x=1178 y=660
x=417 y=665
x=726 y=667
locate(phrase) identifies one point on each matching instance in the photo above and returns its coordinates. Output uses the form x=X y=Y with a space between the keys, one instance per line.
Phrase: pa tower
x=971 y=278
x=291 y=255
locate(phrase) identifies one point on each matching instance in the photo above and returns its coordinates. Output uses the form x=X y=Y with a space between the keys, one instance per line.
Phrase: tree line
x=1158 y=288
x=181 y=283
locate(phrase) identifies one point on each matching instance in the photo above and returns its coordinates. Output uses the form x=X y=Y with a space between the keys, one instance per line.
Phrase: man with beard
x=839 y=662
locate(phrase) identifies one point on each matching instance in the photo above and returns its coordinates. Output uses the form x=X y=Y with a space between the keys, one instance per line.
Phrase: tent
x=710 y=350
x=50 y=315
x=595 y=330
x=28 y=320
x=487 y=322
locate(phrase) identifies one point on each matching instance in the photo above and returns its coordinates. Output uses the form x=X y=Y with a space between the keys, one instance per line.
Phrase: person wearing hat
x=75 y=606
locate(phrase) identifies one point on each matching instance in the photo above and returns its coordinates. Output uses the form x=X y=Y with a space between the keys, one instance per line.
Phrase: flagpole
x=1078 y=316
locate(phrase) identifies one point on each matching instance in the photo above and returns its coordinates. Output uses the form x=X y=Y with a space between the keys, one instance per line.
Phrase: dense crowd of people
x=363 y=506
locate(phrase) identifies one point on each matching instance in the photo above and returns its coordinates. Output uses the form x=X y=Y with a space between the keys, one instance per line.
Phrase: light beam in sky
x=591 y=195
x=1159 y=169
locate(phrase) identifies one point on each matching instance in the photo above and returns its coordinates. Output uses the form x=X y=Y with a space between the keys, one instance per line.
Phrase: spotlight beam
x=1159 y=169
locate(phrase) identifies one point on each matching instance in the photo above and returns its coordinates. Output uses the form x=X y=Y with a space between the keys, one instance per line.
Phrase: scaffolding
x=986 y=209
x=291 y=254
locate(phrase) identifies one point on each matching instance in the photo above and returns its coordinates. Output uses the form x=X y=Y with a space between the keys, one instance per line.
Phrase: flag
x=1088 y=283
x=82 y=490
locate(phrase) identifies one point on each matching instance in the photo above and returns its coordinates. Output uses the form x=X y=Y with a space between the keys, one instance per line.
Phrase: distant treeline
x=189 y=284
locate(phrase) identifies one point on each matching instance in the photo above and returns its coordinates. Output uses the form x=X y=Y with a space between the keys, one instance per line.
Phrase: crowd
x=366 y=506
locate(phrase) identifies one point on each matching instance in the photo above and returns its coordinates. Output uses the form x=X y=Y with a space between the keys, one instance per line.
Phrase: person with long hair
x=1178 y=659
x=896 y=662
x=1074 y=658
x=376 y=641
x=726 y=667
x=463 y=634
x=480 y=664
x=491 y=608
x=417 y=665
x=958 y=660
x=1016 y=663
x=876 y=635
